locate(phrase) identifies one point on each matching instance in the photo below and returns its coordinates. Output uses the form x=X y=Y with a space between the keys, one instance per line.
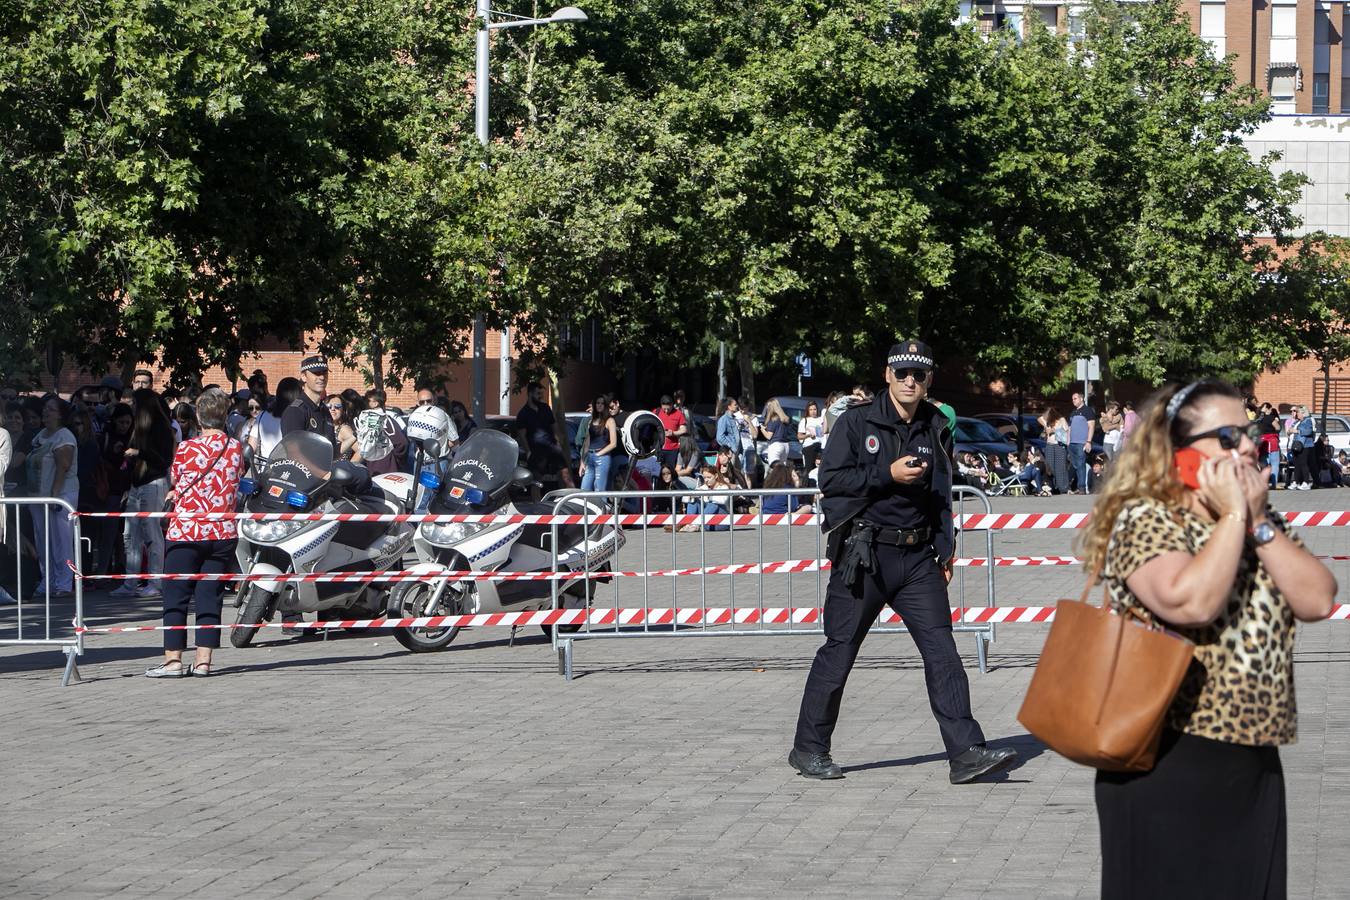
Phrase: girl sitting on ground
x=710 y=505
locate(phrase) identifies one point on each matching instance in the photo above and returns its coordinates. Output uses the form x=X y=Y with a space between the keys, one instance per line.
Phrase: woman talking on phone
x=1183 y=535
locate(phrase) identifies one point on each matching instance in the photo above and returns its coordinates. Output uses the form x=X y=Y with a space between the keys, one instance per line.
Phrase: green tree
x=1309 y=294
x=190 y=179
x=1139 y=242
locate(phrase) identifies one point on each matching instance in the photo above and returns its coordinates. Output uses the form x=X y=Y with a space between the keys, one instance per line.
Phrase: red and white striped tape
x=622 y=617
x=970 y=522
x=781 y=567
x=623 y=520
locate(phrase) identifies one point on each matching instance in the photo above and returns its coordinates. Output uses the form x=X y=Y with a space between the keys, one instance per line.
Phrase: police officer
x=886 y=480
x=306 y=413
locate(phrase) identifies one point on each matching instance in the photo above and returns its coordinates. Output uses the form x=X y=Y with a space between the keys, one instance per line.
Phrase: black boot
x=814 y=765
x=980 y=760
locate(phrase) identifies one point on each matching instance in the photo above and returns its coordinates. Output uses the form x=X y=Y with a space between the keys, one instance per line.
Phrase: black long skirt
x=1207 y=821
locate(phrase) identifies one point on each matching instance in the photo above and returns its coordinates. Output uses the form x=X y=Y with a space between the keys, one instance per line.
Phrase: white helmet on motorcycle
x=642 y=434
x=374 y=435
x=432 y=422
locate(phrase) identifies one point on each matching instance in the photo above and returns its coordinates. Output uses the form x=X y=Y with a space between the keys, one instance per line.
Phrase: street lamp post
x=483 y=75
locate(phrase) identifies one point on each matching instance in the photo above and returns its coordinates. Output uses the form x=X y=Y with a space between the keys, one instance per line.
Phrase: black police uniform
x=305 y=415
x=885 y=543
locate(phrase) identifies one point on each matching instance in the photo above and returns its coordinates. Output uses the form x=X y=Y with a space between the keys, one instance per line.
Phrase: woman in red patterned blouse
x=205 y=477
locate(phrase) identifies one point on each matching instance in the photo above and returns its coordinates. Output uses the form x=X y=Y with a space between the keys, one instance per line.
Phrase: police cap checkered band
x=910 y=355
x=314 y=363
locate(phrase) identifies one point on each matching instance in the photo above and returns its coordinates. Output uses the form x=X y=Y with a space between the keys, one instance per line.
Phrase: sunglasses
x=1230 y=436
x=335 y=406
x=919 y=375
x=425 y=402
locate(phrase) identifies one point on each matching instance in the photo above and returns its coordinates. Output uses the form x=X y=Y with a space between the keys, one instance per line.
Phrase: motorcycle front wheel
x=563 y=629
x=256 y=606
x=413 y=599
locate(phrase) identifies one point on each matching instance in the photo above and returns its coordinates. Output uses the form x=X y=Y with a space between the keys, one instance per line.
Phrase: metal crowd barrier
x=762 y=588
x=39 y=619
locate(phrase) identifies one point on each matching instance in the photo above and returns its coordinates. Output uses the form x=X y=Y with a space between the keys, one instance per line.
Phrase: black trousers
x=195 y=557
x=1303 y=461
x=1208 y=821
x=910 y=581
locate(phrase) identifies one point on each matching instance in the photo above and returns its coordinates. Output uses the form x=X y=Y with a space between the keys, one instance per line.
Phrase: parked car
x=978 y=436
x=1337 y=432
x=1009 y=424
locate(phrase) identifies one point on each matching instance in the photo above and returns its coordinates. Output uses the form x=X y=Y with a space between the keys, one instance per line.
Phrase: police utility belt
x=858 y=556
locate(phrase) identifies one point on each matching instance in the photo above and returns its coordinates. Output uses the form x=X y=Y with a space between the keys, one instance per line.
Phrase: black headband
x=1179 y=400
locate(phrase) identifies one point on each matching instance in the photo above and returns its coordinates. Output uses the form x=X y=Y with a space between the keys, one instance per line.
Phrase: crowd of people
x=111 y=447
x=1209 y=558
x=1073 y=452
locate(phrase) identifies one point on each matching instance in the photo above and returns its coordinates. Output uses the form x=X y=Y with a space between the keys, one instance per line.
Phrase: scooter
x=483 y=473
x=300 y=476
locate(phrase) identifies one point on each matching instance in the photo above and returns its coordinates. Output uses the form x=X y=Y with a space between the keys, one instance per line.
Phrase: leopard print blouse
x=1240 y=685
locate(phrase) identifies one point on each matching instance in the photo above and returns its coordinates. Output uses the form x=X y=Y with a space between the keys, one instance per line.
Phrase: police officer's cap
x=315 y=363
x=911 y=354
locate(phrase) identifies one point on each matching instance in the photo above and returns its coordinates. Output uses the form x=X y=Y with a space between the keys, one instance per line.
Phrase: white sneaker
x=128 y=589
x=1305 y=486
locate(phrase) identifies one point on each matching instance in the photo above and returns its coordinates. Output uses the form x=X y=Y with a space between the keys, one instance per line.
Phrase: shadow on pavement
x=49 y=659
x=1027 y=747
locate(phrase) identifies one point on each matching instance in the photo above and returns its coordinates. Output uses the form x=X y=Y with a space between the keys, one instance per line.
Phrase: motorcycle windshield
x=482 y=469
x=296 y=471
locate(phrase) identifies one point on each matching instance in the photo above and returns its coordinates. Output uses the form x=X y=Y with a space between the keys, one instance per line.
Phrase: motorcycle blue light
x=467 y=495
x=248 y=487
x=297 y=499
x=429 y=480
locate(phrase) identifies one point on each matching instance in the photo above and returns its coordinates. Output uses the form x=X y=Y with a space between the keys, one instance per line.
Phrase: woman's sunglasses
x=1230 y=436
x=335 y=407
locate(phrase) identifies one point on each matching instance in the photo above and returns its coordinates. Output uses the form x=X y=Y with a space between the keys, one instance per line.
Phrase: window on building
x=1283 y=39
x=1321 y=93
x=1283 y=83
x=989 y=20
x=1077 y=26
x=1212 y=27
x=1048 y=16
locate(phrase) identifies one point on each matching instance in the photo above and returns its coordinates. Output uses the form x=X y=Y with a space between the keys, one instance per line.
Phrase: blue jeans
x=710 y=508
x=1032 y=476
x=1078 y=465
x=1273 y=460
x=597 y=472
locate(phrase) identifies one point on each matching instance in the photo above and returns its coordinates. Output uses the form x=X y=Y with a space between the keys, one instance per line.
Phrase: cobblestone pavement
x=348 y=767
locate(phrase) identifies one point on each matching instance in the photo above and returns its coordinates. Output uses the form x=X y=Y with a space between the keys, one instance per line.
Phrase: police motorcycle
x=480 y=481
x=301 y=476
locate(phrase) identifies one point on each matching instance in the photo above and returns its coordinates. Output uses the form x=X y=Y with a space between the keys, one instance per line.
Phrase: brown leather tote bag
x=1103 y=684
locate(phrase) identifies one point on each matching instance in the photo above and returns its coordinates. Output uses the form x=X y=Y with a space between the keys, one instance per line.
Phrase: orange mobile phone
x=1188 y=461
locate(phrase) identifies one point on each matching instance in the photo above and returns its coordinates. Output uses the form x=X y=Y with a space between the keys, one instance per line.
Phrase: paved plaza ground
x=351 y=768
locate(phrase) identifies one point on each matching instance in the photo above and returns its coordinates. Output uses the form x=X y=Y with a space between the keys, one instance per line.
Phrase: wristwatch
x=1263 y=533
